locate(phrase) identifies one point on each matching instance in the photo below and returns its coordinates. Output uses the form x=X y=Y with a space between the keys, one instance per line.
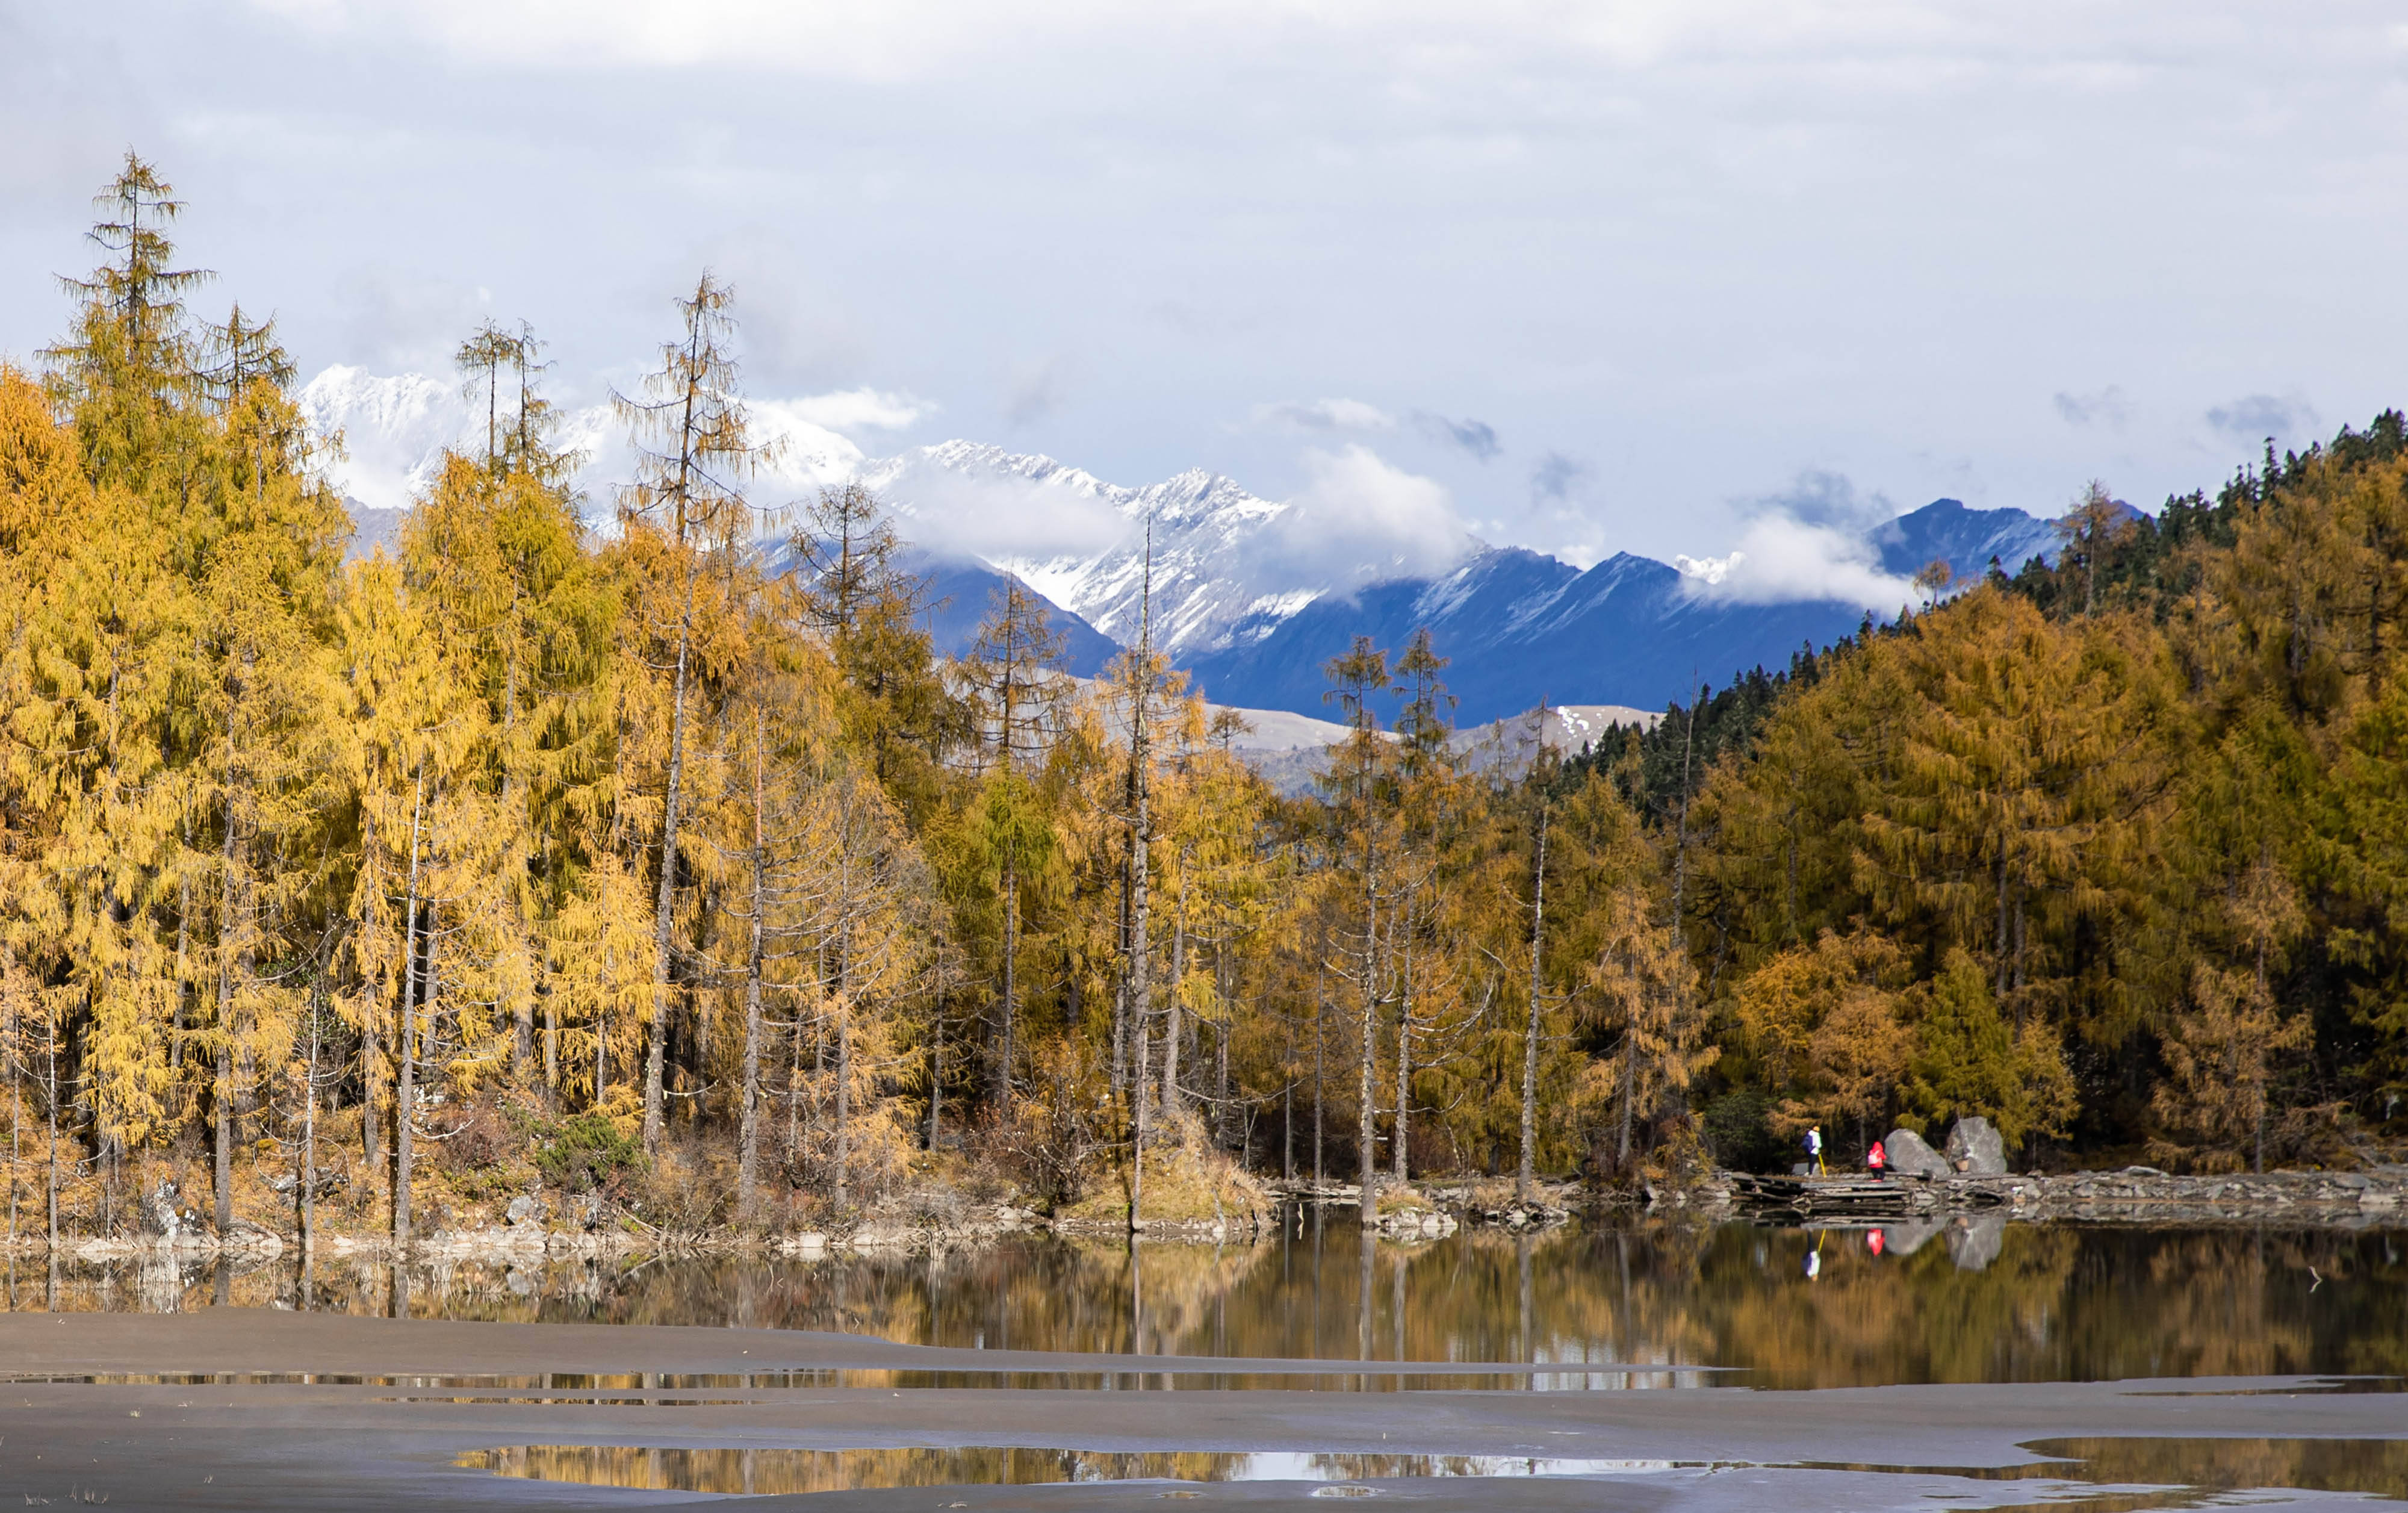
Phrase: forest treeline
x=649 y=843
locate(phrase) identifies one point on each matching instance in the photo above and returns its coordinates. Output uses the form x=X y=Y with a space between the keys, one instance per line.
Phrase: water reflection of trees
x=1602 y=1305
x=770 y=1471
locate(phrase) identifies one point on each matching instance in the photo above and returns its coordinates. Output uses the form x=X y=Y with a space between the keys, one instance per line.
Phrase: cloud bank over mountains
x=1229 y=566
x=1253 y=594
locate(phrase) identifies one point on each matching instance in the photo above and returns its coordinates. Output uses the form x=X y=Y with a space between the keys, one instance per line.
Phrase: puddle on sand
x=2148 y=1473
x=2374 y=1466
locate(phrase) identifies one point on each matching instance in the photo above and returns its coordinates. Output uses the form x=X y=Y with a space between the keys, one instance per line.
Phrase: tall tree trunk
x=843 y=1101
x=747 y=1157
x=2000 y=990
x=1171 y=1007
x=656 y=1038
x=1629 y=1065
x=16 y=1104
x=1366 y=1104
x=1320 y=1005
x=1138 y=1138
x=1288 y=1099
x=1399 y=1159
x=51 y=1041
x=514 y=807
x=183 y=973
x=222 y=1086
x=1140 y=870
x=1140 y=957
x=1526 y=1172
x=310 y=1136
x=936 y=1071
x=406 y=1027
x=371 y=1144
x=1010 y=972
x=1221 y=1072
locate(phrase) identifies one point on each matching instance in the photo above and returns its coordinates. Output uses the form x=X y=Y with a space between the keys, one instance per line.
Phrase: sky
x=1659 y=277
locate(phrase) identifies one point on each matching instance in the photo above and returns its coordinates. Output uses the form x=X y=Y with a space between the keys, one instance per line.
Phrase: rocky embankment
x=2143 y=1193
x=2135 y=1195
x=1969 y=1175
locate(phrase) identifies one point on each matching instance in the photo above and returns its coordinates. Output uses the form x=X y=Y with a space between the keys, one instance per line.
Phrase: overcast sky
x=1611 y=276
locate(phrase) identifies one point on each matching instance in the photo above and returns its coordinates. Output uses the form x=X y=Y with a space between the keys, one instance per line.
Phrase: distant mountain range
x=1246 y=593
x=1517 y=626
x=1520 y=627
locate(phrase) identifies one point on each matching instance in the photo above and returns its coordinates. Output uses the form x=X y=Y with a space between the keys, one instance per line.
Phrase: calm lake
x=1602 y=1305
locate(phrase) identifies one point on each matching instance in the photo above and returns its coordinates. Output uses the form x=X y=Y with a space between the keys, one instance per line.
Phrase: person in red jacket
x=1877 y=1161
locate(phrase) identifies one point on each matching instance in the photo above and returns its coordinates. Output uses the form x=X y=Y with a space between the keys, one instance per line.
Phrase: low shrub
x=586 y=1151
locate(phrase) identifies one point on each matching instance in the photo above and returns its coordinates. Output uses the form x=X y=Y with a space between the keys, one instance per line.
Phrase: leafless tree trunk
x=1400 y=1160
x=663 y=913
x=748 y=1160
x=1528 y=1170
x=406 y=1076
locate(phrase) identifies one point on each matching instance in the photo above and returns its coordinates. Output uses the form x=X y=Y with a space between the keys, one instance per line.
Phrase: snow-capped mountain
x=396 y=427
x=1254 y=596
x=1203 y=526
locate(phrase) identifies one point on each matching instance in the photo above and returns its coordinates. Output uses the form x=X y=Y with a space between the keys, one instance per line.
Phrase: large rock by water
x=1975 y=1149
x=1911 y=1155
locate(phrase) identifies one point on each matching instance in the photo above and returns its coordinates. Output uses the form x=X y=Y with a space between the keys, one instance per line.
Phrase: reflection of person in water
x=1876 y=1242
x=1814 y=1256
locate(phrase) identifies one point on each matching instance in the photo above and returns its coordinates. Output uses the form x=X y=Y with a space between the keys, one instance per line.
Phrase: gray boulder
x=1911 y=1155
x=1975 y=1149
x=161 y=1218
x=524 y=1210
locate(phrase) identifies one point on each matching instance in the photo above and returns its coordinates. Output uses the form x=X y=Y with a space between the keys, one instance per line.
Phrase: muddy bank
x=233 y=1409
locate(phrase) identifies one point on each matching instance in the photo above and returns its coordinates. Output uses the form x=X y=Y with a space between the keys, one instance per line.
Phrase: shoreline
x=2134 y=1196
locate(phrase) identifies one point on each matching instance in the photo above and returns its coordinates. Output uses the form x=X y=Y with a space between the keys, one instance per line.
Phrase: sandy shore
x=188 y=1443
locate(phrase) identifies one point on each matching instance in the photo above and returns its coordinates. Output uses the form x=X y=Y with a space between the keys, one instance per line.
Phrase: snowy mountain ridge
x=1203 y=524
x=1252 y=595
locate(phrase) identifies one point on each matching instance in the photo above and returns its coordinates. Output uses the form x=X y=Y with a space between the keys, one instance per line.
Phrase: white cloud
x=817 y=435
x=1360 y=520
x=1000 y=516
x=1780 y=559
x=1325 y=415
x=906 y=39
x=854 y=410
x=1693 y=242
